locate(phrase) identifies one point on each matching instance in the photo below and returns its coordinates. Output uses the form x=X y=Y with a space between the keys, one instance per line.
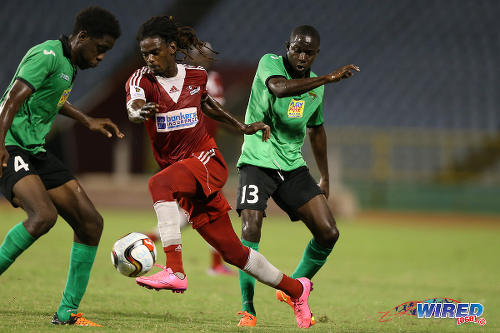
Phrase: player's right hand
x=343 y=72
x=258 y=126
x=148 y=110
x=4 y=157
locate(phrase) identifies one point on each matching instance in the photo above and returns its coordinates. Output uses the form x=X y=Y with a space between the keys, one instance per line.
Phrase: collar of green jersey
x=66 y=46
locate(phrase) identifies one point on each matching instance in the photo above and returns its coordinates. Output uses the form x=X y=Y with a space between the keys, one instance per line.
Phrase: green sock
x=313 y=259
x=247 y=283
x=81 y=260
x=16 y=241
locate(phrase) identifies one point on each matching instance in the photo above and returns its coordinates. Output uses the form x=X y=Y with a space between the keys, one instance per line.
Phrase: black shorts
x=289 y=189
x=22 y=163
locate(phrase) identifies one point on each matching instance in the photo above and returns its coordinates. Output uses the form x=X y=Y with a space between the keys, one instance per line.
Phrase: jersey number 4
x=251 y=197
x=20 y=164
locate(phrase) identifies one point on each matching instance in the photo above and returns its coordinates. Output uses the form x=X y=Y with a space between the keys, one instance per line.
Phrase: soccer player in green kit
x=34 y=179
x=288 y=97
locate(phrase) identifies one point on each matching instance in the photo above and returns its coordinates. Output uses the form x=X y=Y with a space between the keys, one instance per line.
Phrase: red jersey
x=179 y=128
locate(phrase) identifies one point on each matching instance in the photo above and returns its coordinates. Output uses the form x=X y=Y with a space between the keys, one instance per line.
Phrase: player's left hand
x=324 y=185
x=343 y=72
x=105 y=126
x=258 y=126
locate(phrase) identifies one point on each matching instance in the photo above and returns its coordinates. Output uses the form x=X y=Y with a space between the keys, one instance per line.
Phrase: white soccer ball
x=134 y=254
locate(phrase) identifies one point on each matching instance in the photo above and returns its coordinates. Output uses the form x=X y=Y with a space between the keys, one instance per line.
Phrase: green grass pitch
x=374 y=267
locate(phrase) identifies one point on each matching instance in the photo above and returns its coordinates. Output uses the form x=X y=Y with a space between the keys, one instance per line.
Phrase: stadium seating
x=423 y=63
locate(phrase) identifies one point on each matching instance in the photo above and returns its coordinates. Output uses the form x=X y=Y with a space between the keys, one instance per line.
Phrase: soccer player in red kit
x=215 y=89
x=171 y=99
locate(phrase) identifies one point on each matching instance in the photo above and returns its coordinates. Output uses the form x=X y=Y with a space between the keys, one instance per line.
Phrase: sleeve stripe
x=314 y=126
x=267 y=81
x=132 y=78
x=26 y=83
x=137 y=76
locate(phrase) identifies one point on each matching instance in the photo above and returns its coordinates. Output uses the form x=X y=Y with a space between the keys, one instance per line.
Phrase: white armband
x=137 y=92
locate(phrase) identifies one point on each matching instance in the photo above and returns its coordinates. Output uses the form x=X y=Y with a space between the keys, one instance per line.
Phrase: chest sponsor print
x=296 y=108
x=176 y=120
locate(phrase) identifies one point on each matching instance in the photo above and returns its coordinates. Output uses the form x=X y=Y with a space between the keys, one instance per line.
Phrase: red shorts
x=201 y=195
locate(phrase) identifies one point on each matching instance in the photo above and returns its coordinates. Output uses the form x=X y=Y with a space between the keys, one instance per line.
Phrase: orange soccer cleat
x=247 y=319
x=75 y=319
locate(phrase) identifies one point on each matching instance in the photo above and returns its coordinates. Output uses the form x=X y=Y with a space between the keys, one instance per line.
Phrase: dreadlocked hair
x=166 y=28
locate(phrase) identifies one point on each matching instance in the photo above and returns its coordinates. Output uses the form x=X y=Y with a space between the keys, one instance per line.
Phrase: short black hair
x=165 y=27
x=306 y=30
x=97 y=22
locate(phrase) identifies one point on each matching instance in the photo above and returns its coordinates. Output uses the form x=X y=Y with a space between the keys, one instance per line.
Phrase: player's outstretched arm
x=283 y=87
x=317 y=137
x=19 y=92
x=214 y=110
x=103 y=125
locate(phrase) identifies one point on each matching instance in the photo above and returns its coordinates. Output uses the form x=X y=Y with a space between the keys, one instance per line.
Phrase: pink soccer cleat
x=283 y=297
x=300 y=305
x=165 y=279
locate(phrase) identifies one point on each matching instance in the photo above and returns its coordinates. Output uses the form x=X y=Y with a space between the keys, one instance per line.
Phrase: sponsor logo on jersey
x=173 y=90
x=296 y=108
x=176 y=120
x=64 y=76
x=64 y=97
x=193 y=89
x=49 y=52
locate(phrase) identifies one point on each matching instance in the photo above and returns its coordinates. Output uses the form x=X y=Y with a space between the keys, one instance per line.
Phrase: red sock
x=216 y=258
x=174 y=257
x=291 y=287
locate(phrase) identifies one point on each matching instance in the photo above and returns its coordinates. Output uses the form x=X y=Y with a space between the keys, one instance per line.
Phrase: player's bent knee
x=99 y=224
x=333 y=236
x=96 y=226
x=90 y=228
x=160 y=183
x=250 y=232
x=154 y=182
x=41 y=222
x=329 y=238
x=251 y=225
x=236 y=258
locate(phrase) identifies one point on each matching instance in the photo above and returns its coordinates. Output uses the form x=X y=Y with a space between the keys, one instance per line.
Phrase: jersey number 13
x=251 y=197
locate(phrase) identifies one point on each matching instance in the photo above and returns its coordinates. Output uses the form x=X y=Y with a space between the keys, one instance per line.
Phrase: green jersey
x=48 y=70
x=288 y=118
